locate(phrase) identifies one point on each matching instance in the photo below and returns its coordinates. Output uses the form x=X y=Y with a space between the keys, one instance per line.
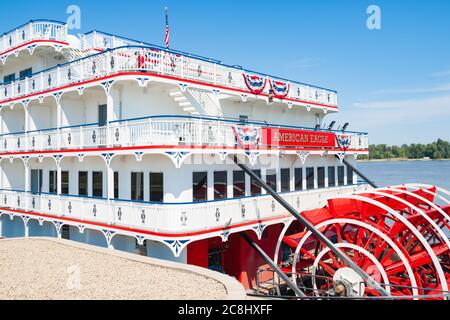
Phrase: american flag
x=167 y=30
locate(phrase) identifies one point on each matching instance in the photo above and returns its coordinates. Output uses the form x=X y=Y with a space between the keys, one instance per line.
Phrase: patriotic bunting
x=246 y=136
x=280 y=89
x=255 y=84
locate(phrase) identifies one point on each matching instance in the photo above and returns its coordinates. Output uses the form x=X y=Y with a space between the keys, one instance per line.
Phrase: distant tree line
x=436 y=150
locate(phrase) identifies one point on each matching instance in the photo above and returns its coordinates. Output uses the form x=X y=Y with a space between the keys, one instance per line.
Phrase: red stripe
x=31 y=42
x=82 y=151
x=140 y=231
x=163 y=77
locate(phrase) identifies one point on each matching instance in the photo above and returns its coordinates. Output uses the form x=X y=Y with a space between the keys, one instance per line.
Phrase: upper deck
x=104 y=57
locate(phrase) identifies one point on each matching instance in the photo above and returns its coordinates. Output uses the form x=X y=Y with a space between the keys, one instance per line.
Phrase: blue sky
x=393 y=83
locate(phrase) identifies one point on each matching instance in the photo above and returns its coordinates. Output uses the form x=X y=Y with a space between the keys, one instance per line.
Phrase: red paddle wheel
x=399 y=236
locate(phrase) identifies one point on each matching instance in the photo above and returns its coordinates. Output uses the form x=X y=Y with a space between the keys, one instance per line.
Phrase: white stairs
x=180 y=98
x=196 y=102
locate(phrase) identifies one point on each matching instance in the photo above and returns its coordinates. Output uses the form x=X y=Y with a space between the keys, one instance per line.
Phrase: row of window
x=200 y=182
x=137 y=184
x=22 y=75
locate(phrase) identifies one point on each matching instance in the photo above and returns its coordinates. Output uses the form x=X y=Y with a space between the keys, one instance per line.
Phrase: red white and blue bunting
x=344 y=141
x=255 y=84
x=247 y=137
x=280 y=89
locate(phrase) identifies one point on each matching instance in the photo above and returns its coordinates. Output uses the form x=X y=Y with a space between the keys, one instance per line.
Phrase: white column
x=304 y=178
x=109 y=116
x=210 y=180
x=27 y=231
x=345 y=175
x=110 y=182
x=27 y=120
x=326 y=177
x=278 y=173
x=27 y=178
x=316 y=180
x=263 y=178
x=58 y=178
x=230 y=190
x=248 y=187
x=292 y=178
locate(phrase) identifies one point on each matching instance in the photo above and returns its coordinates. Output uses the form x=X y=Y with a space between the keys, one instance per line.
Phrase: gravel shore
x=40 y=269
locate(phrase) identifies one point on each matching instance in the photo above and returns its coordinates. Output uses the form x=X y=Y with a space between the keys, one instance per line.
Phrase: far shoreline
x=401 y=160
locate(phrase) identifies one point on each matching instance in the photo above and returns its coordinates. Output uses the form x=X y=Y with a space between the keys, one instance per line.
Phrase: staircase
x=196 y=102
x=180 y=98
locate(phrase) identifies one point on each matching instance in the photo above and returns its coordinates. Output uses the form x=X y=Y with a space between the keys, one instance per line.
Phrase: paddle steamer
x=127 y=145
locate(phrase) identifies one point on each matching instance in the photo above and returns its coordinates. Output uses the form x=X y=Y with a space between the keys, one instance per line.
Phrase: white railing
x=34 y=30
x=169 y=218
x=153 y=61
x=162 y=131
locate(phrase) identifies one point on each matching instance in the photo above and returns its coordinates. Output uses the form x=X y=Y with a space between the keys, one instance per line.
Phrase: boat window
x=82 y=183
x=331 y=176
x=341 y=173
x=321 y=177
x=220 y=185
x=157 y=187
x=350 y=174
x=271 y=179
x=255 y=188
x=238 y=184
x=298 y=179
x=200 y=186
x=52 y=182
x=65 y=182
x=137 y=186
x=285 y=180
x=97 y=184
x=309 y=178
x=9 y=78
x=116 y=185
x=25 y=73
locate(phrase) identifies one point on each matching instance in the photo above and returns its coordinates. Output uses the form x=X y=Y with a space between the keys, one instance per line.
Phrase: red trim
x=161 y=147
x=163 y=77
x=170 y=235
x=31 y=42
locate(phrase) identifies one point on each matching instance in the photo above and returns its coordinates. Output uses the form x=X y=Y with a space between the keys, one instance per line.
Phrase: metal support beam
x=272 y=264
x=359 y=173
x=310 y=227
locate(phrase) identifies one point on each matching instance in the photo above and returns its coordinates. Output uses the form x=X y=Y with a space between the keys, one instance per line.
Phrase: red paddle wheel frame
x=399 y=236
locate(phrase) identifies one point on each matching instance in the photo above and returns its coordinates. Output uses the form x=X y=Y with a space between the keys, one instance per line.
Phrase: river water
x=389 y=173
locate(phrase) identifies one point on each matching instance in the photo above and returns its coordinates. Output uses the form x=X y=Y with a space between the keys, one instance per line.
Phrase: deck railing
x=163 y=63
x=160 y=130
x=168 y=218
x=34 y=30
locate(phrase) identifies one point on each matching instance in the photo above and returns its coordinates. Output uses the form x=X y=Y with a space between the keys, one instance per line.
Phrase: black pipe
x=310 y=227
x=272 y=264
x=359 y=173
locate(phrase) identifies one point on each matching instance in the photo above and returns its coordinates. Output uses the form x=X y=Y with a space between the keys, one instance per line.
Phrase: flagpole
x=167 y=37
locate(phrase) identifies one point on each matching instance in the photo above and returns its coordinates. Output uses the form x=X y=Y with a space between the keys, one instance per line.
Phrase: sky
x=393 y=82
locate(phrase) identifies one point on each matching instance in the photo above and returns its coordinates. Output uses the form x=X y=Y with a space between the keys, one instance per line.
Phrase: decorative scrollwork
x=119 y=214
x=217 y=215
x=183 y=219
x=143 y=216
